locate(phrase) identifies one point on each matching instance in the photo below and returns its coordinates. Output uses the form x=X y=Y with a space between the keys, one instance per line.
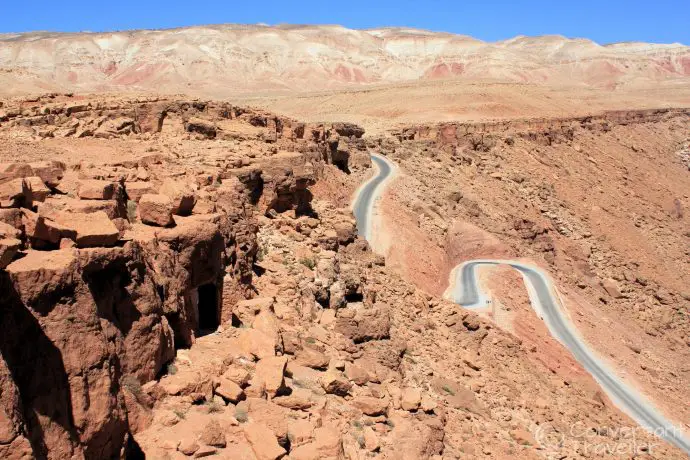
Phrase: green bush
x=308 y=262
x=214 y=407
x=132 y=384
x=241 y=415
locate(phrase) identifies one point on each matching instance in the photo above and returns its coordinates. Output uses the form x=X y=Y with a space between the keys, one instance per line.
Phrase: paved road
x=543 y=297
x=544 y=301
x=364 y=204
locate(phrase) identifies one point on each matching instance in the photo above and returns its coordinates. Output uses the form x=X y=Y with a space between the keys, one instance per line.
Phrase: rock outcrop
x=102 y=279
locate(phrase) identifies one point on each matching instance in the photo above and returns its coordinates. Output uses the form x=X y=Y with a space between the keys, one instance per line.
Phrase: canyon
x=181 y=274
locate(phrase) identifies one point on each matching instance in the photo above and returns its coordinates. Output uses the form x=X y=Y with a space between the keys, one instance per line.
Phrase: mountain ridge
x=231 y=58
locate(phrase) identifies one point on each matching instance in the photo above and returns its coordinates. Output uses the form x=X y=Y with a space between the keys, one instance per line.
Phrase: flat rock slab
x=96 y=190
x=40 y=273
x=63 y=203
x=50 y=172
x=135 y=190
x=43 y=260
x=92 y=230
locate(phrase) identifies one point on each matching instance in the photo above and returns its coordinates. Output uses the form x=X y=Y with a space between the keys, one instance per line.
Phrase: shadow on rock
x=37 y=369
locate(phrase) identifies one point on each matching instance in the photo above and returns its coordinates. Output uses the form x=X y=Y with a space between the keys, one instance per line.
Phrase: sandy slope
x=381 y=107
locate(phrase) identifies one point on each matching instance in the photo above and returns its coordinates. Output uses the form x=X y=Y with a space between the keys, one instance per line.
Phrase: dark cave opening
x=342 y=165
x=209 y=313
x=354 y=297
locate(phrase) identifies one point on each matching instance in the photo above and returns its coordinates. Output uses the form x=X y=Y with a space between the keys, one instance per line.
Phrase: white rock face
x=254 y=57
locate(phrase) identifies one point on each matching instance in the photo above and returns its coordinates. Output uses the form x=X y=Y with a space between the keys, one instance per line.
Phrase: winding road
x=368 y=193
x=466 y=291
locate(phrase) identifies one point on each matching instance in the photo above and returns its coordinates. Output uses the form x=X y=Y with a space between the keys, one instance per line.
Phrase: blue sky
x=605 y=21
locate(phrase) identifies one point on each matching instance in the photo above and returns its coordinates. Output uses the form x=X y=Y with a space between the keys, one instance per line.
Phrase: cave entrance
x=354 y=297
x=342 y=165
x=209 y=314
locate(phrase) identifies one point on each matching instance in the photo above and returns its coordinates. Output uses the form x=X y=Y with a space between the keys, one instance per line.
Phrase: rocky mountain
x=228 y=59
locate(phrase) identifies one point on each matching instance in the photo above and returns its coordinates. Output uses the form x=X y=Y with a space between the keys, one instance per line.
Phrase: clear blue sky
x=605 y=21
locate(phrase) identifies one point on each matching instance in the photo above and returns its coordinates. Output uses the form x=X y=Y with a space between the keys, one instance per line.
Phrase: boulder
x=337 y=295
x=113 y=208
x=213 y=435
x=312 y=358
x=371 y=406
x=115 y=127
x=269 y=414
x=254 y=344
x=300 y=431
x=93 y=189
x=181 y=194
x=42 y=271
x=371 y=440
x=357 y=374
x=270 y=371
x=188 y=446
x=334 y=382
x=12 y=217
x=8 y=249
x=458 y=396
x=327 y=445
x=428 y=404
x=263 y=441
x=197 y=125
x=10 y=171
x=50 y=172
x=411 y=399
x=156 y=210
x=229 y=390
x=348 y=129
x=237 y=374
x=15 y=193
x=346 y=232
x=39 y=191
x=205 y=451
x=9 y=231
x=247 y=310
x=41 y=231
x=299 y=399
x=135 y=190
x=611 y=288
x=412 y=440
x=367 y=324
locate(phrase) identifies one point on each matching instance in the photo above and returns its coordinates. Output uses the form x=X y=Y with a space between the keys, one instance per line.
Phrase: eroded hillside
x=600 y=202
